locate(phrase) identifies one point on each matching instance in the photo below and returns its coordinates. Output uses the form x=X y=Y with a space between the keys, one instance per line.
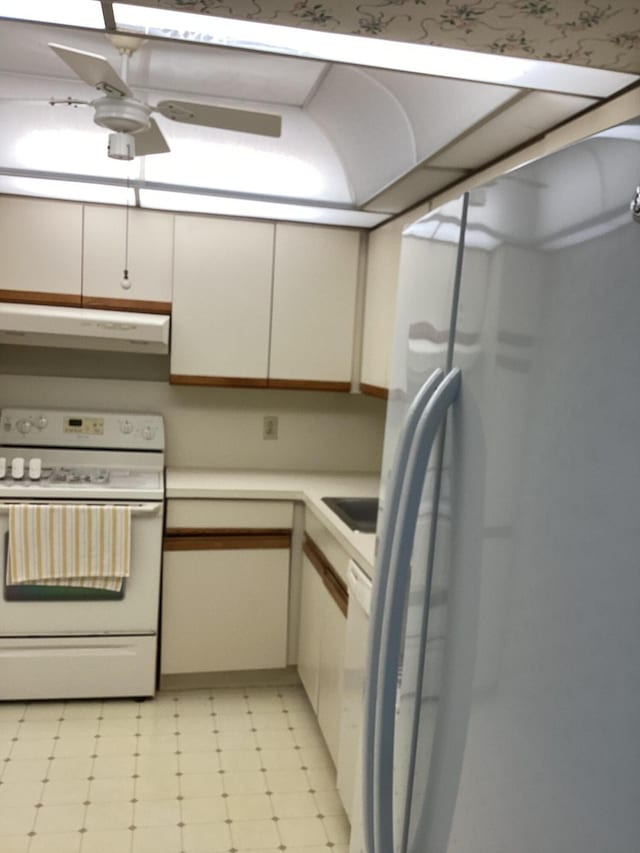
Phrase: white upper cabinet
x=314 y=298
x=147 y=238
x=41 y=250
x=247 y=314
x=221 y=301
x=383 y=259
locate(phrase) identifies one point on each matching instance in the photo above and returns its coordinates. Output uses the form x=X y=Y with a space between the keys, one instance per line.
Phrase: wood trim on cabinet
x=227 y=531
x=217 y=381
x=334 y=585
x=374 y=390
x=38 y=297
x=315 y=555
x=309 y=384
x=146 y=306
x=337 y=591
x=266 y=540
x=248 y=382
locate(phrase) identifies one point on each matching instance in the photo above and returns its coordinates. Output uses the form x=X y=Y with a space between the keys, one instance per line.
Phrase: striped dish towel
x=69 y=545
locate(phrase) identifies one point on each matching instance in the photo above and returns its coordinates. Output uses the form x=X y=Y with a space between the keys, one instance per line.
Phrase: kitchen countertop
x=306 y=486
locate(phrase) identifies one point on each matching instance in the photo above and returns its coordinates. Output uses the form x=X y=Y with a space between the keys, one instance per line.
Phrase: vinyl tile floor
x=202 y=771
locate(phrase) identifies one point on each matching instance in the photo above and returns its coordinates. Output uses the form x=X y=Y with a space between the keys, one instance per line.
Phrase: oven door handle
x=136 y=509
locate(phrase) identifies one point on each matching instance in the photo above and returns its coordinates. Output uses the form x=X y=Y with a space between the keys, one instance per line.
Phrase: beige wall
x=222 y=427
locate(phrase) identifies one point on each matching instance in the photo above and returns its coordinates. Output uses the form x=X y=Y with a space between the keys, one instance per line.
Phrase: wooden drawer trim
x=172 y=532
x=374 y=390
x=334 y=585
x=310 y=384
x=223 y=539
x=37 y=297
x=217 y=381
x=144 y=305
x=248 y=382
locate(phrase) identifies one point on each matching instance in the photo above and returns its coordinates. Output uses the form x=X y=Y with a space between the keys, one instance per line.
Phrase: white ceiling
x=353 y=138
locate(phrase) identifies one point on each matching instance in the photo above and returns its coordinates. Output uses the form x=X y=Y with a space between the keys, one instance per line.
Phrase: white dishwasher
x=350 y=759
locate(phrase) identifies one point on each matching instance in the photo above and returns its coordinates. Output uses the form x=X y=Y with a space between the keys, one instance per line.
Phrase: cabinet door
x=334 y=626
x=221 y=301
x=224 y=610
x=383 y=258
x=311 y=601
x=314 y=296
x=149 y=236
x=41 y=250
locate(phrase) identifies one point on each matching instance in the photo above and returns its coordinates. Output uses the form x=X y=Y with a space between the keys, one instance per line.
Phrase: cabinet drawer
x=334 y=553
x=228 y=515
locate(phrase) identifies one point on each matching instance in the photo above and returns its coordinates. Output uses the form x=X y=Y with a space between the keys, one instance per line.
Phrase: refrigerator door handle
x=391 y=634
x=385 y=545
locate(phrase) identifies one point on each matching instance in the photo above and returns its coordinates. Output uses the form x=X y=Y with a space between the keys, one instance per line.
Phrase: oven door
x=58 y=611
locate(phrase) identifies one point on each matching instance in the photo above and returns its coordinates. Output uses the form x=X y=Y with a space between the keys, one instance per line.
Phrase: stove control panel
x=84 y=426
x=76 y=428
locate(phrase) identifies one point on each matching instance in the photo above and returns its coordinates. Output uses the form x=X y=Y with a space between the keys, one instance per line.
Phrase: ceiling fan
x=134 y=132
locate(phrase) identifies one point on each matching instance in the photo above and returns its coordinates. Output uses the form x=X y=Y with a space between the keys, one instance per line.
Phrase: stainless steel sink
x=358 y=513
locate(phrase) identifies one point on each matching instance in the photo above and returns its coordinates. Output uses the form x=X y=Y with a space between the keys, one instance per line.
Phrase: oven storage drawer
x=77 y=667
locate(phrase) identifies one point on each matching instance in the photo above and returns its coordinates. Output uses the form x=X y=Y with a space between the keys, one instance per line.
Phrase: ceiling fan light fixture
x=122 y=146
x=122 y=115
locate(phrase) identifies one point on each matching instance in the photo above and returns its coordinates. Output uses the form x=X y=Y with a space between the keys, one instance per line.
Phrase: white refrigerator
x=502 y=708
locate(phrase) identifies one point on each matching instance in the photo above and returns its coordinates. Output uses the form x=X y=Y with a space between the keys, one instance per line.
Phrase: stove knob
x=35 y=469
x=41 y=422
x=126 y=427
x=24 y=425
x=17 y=468
x=3 y=467
x=148 y=432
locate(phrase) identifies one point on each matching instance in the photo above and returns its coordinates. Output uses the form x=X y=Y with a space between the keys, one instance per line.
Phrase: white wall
x=213 y=427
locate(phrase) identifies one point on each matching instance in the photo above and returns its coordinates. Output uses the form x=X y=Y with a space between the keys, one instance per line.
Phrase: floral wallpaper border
x=583 y=32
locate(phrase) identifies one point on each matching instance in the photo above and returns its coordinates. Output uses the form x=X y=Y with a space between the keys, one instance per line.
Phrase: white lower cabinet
x=334 y=625
x=311 y=599
x=321 y=643
x=225 y=589
x=224 y=610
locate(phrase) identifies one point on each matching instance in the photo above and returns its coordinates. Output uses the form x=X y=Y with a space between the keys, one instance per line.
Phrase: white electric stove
x=64 y=642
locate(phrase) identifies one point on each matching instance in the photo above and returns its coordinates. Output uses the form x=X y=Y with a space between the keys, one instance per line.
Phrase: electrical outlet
x=270 y=427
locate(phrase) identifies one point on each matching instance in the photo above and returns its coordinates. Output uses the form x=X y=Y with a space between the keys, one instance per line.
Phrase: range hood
x=83 y=328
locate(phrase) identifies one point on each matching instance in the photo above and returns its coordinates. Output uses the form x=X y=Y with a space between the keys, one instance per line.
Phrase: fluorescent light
x=377 y=53
x=74 y=13
x=197 y=203
x=67 y=190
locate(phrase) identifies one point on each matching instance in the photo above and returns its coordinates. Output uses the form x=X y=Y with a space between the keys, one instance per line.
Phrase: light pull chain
x=126 y=281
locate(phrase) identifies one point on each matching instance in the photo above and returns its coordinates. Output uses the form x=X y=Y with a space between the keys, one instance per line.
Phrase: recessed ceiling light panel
x=73 y=13
x=371 y=52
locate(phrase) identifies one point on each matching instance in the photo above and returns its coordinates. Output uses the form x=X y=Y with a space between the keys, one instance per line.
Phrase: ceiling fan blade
x=227 y=118
x=151 y=141
x=92 y=68
x=52 y=102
